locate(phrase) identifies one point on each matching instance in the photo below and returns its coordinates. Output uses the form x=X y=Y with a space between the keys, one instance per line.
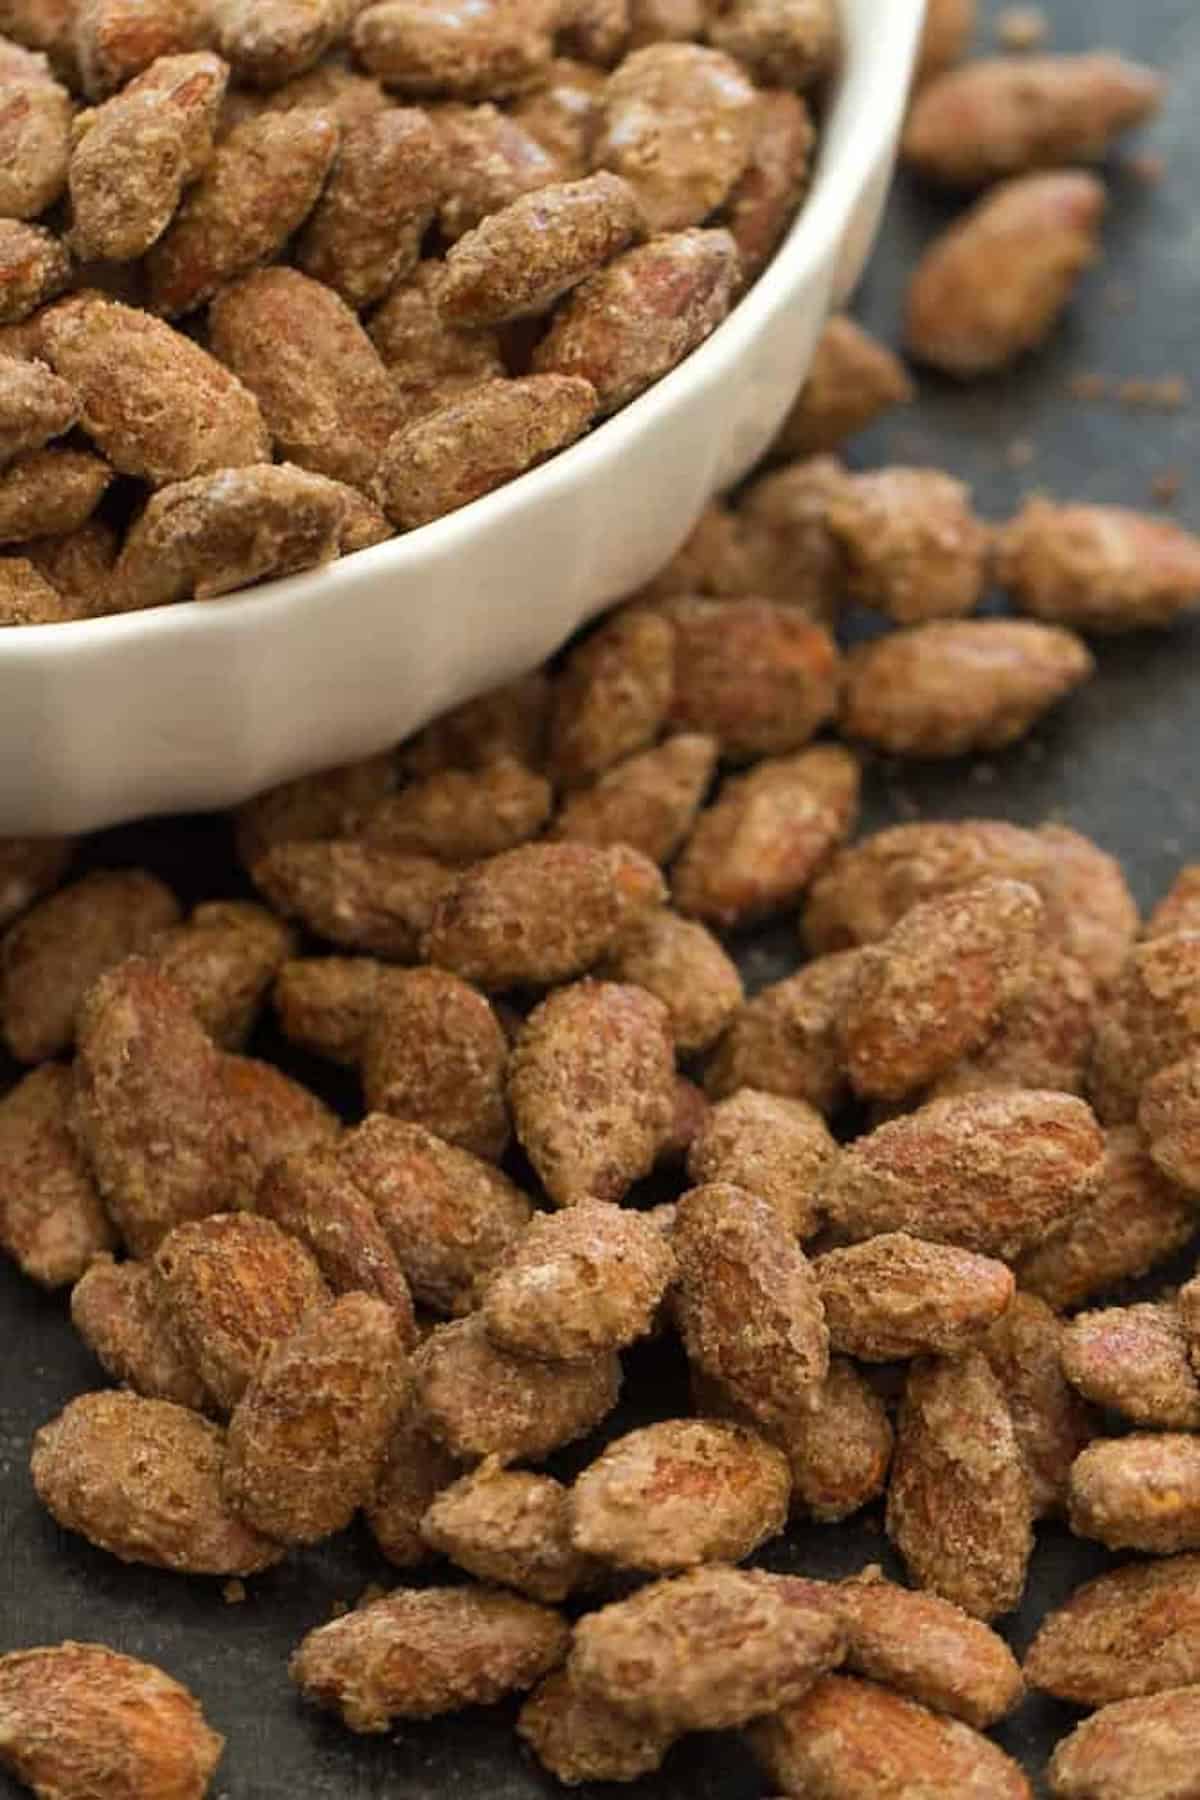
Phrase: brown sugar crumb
x=1091 y=387
x=1164 y=393
x=233 y=1593
x=1166 y=487
x=1022 y=28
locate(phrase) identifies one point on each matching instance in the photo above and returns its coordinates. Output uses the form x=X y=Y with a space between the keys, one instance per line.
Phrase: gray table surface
x=1118 y=763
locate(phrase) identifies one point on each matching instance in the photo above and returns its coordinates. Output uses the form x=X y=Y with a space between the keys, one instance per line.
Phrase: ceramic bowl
x=199 y=705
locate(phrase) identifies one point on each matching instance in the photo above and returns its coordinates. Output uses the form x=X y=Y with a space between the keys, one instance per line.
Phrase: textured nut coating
x=1150 y=1021
x=1052 y=1423
x=51 y=1220
x=480 y=1401
x=462 y=815
x=308 y=1438
x=682 y=964
x=773 y=1146
x=933 y=989
x=510 y=1527
x=592 y=1089
x=786 y=1039
x=897 y=1296
x=310 y=1196
x=649 y=801
x=676 y=121
x=473 y=444
x=224 y=959
x=959 y=1505
x=435 y=1055
x=121 y=1312
x=1133 y=1750
x=34 y=267
x=1140 y=1492
x=627 y=325
x=35 y=406
x=1134 y=1360
x=1132 y=1632
x=142 y=1480
x=421 y=48
x=355 y=894
x=760 y=676
x=747 y=1301
x=414 y=1655
x=706 y=1650
x=150 y=1110
x=678 y=1493
x=1043 y=1038
x=851 y=1740
x=1102 y=569
x=613 y=695
x=929 y=1650
x=236 y=1286
x=578 y=1738
x=914 y=549
x=578 y=1283
x=1169 y=1117
x=155 y=403
x=81 y=1719
x=992 y=1172
x=1004 y=116
x=953 y=686
x=994 y=285
x=448 y=1216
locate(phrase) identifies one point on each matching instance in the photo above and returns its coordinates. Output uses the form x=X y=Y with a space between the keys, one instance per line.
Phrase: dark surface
x=1119 y=763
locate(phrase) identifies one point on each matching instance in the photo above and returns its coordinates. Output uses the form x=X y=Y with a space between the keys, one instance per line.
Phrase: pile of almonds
x=905 y=1178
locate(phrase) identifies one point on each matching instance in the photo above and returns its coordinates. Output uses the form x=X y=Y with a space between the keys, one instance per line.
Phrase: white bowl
x=200 y=705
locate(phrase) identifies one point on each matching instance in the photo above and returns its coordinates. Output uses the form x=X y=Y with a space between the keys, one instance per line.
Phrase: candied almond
x=27 y=598
x=848 y=1739
x=1002 y=116
x=1042 y=1039
x=491 y=160
x=301 y=351
x=769 y=1144
x=155 y=403
x=326 y=805
x=896 y=1296
x=933 y=989
x=592 y=1089
x=677 y=122
x=479 y=1401
x=224 y=959
x=1135 y=1220
x=914 y=548
x=785 y=1040
x=269 y=42
x=35 y=406
x=1098 y=568
x=625 y=326
x=52 y=1222
x=51 y=491
x=1149 y=1021
x=1132 y=1750
x=236 y=1286
x=519 y=261
x=206 y=537
x=994 y=284
x=1169 y=1117
x=365 y=231
x=142 y=1480
x=793 y=43
x=488 y=435
x=448 y=1216
x=29 y=868
x=116 y=39
x=462 y=815
x=354 y=894
x=613 y=696
x=706 y=1650
x=783 y=520
x=1133 y=1631
x=747 y=1302
x=928 y=1650
x=35 y=139
x=511 y=1527
x=310 y=1432
x=80 y=1717
x=947 y=32
x=953 y=686
x=577 y=1283
x=678 y=1493
x=539 y=914
x=649 y=801
x=310 y=1196
x=682 y=964
x=434 y=1054
x=1134 y=1360
x=1179 y=909
x=578 y=1738
x=763 y=200
x=839 y=1447
x=1140 y=1492
x=758 y=845
x=1089 y=908
x=959 y=1507
x=561 y=113
x=326 y=1003
x=485 y=51
x=1052 y=1423
x=413 y=1655
x=758 y=675
x=414 y=1471
x=268 y=1115
x=427 y=359
x=121 y=1312
x=34 y=267
x=852 y=379
x=993 y=1172
x=261 y=184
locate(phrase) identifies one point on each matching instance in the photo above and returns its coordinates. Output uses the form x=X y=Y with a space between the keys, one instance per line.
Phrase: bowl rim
x=867 y=82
